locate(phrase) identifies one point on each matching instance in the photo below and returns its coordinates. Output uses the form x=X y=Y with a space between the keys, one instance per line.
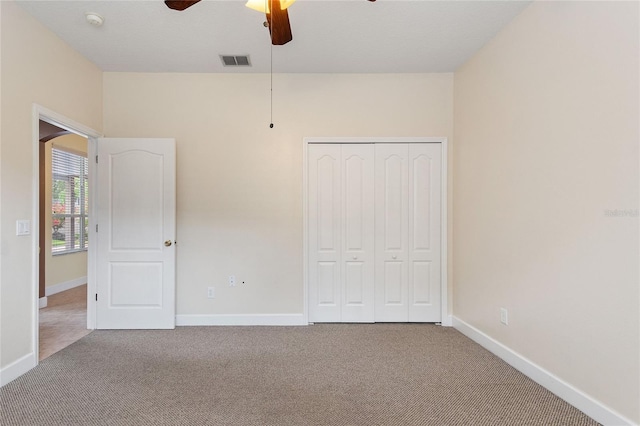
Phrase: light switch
x=23 y=227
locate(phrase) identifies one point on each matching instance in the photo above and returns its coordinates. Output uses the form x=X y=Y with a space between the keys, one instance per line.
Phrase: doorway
x=63 y=242
x=60 y=245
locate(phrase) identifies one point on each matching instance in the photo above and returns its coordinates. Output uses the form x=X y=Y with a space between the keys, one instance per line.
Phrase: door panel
x=328 y=225
x=341 y=232
x=420 y=282
x=328 y=284
x=354 y=284
x=391 y=176
x=354 y=209
x=324 y=177
x=135 y=284
x=420 y=201
x=136 y=215
x=424 y=232
x=136 y=222
x=394 y=293
x=395 y=197
x=358 y=239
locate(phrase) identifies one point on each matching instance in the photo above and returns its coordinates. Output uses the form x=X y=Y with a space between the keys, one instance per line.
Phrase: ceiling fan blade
x=180 y=4
x=279 y=25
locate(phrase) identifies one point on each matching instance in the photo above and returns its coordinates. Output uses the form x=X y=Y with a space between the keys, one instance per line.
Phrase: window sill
x=62 y=253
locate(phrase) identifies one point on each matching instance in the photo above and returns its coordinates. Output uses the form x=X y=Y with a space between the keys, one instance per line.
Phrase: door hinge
x=96 y=228
x=96 y=297
x=96 y=159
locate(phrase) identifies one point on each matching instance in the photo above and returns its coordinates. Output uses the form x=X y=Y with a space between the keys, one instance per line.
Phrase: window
x=69 y=202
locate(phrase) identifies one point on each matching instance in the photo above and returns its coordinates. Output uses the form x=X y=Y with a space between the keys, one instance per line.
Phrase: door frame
x=446 y=318
x=41 y=113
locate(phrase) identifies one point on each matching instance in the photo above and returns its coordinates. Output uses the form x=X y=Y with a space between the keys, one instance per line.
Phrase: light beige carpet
x=377 y=374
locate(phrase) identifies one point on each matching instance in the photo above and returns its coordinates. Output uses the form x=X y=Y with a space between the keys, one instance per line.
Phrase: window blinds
x=69 y=202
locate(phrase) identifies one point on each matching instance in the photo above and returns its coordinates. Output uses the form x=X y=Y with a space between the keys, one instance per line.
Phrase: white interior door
x=392 y=221
x=135 y=265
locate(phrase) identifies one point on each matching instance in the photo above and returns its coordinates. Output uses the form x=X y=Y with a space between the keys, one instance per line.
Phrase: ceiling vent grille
x=235 y=60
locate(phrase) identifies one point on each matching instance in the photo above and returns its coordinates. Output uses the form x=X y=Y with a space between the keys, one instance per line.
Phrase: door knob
x=167 y=243
x=394 y=257
x=355 y=257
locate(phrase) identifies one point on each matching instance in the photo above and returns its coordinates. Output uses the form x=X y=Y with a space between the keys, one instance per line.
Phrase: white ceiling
x=329 y=36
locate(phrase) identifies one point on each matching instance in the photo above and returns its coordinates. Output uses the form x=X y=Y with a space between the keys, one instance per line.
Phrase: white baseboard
x=17 y=368
x=42 y=302
x=255 y=319
x=564 y=390
x=57 y=288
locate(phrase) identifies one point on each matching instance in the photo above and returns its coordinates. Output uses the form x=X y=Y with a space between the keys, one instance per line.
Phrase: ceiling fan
x=277 y=17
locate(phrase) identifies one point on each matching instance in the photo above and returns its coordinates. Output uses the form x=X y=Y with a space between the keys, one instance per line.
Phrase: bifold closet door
x=407 y=236
x=341 y=232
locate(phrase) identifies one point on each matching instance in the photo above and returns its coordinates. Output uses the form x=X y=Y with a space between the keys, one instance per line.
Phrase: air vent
x=235 y=61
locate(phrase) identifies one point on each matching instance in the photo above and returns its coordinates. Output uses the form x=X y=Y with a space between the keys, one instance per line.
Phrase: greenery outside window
x=69 y=202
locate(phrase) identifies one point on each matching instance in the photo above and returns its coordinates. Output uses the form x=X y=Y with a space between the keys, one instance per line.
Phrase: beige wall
x=546 y=140
x=68 y=267
x=239 y=183
x=37 y=67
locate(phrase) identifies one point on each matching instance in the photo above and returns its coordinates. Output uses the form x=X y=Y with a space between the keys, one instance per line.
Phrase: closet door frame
x=446 y=319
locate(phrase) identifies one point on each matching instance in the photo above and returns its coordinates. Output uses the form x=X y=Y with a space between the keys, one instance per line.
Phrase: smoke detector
x=94 y=19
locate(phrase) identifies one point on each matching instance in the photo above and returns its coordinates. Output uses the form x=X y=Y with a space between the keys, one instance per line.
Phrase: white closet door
x=391 y=216
x=408 y=232
x=357 y=233
x=424 y=232
x=325 y=241
x=374 y=232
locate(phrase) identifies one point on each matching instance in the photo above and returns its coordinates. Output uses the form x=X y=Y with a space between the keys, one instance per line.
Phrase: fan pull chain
x=271 y=83
x=271 y=61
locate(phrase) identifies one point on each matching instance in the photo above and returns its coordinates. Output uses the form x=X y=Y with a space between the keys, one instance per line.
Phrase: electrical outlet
x=232 y=280
x=211 y=292
x=504 y=316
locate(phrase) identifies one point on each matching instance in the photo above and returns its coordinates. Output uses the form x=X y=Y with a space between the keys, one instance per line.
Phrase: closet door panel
x=354 y=282
x=327 y=284
x=391 y=216
x=424 y=232
x=420 y=289
x=393 y=283
x=324 y=198
x=358 y=226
